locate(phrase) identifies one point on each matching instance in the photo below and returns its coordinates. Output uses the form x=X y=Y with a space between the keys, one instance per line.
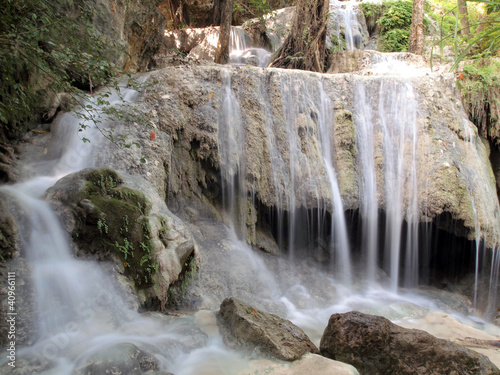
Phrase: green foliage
x=480 y=76
x=338 y=44
x=372 y=10
x=395 y=23
x=48 y=46
x=396 y=40
x=484 y=39
x=102 y=226
x=394 y=20
x=397 y=16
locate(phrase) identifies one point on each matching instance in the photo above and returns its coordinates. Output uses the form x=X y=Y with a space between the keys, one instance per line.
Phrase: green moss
x=119 y=224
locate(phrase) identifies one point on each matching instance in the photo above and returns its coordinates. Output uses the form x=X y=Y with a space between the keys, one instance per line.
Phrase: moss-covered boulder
x=109 y=220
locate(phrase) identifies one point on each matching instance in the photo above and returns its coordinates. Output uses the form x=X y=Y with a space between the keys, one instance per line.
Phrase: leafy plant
x=397 y=16
x=395 y=25
x=396 y=40
x=49 y=47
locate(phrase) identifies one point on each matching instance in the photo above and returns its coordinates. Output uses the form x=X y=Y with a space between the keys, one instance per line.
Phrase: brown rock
x=243 y=327
x=374 y=346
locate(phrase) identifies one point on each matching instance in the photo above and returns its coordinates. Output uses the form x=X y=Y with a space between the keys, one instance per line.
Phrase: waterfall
x=348 y=28
x=80 y=311
x=392 y=115
x=231 y=137
x=348 y=17
x=242 y=53
x=295 y=176
x=339 y=229
x=368 y=180
x=274 y=155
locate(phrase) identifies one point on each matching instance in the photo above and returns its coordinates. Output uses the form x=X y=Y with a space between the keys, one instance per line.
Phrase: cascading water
x=230 y=138
x=394 y=118
x=349 y=30
x=338 y=230
x=241 y=53
x=81 y=311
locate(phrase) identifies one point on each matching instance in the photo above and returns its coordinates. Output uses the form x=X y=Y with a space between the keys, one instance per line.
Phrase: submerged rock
x=374 y=346
x=243 y=327
x=123 y=359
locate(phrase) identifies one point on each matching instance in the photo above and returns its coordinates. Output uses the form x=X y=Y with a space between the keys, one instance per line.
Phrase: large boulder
x=244 y=328
x=110 y=218
x=374 y=346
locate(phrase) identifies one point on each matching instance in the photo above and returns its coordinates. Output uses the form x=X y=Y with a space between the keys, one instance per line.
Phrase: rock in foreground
x=244 y=328
x=374 y=346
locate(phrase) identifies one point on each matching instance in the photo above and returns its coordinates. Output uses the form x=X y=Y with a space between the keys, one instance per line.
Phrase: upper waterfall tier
x=427 y=158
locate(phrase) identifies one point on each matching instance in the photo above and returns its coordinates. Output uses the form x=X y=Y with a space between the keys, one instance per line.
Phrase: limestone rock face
x=242 y=327
x=360 y=61
x=374 y=346
x=136 y=25
x=198 y=43
x=282 y=118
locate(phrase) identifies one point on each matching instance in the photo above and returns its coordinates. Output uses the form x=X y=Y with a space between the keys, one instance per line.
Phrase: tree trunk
x=304 y=48
x=464 y=17
x=417 y=28
x=222 y=54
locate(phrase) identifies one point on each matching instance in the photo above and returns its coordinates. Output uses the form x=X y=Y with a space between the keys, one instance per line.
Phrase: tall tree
x=417 y=28
x=305 y=48
x=222 y=54
x=464 y=17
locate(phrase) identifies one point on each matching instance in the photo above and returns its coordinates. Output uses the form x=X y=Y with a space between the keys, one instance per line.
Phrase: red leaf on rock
x=152 y=136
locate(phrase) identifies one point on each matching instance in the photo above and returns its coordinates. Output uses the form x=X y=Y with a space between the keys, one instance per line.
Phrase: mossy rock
x=117 y=225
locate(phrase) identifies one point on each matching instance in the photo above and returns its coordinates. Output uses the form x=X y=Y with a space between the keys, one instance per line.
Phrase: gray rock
x=243 y=327
x=375 y=346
